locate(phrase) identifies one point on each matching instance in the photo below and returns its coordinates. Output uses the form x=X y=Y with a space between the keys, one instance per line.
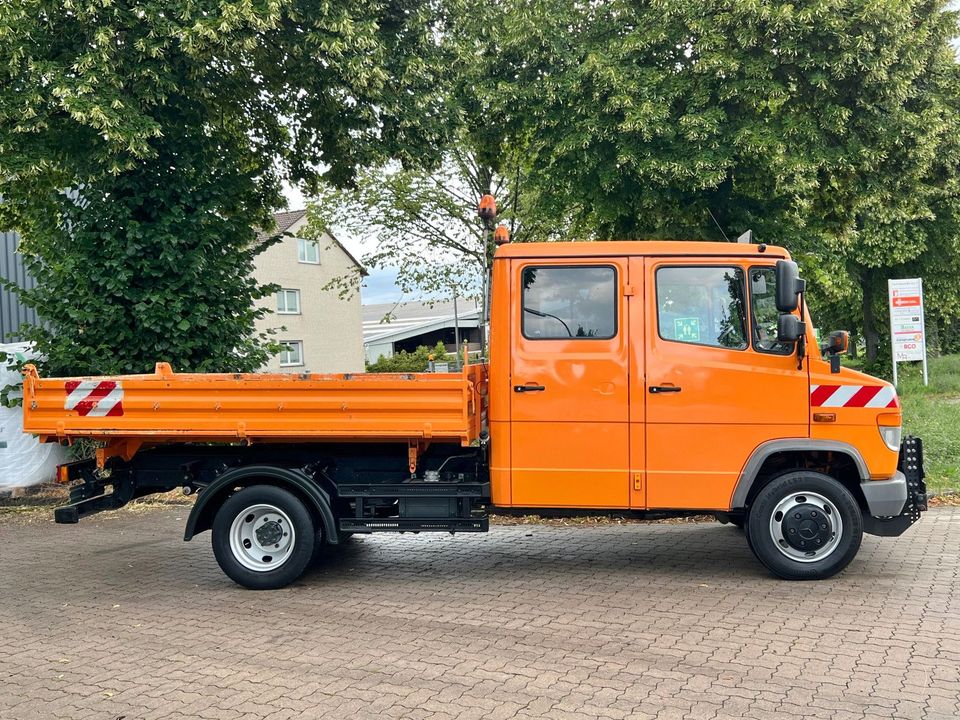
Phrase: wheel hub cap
x=269 y=533
x=806 y=527
x=262 y=537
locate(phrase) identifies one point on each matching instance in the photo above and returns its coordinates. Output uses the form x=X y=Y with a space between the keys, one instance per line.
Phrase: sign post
x=907 y=332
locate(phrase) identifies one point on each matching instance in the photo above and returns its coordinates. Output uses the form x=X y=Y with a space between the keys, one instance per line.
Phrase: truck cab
x=655 y=376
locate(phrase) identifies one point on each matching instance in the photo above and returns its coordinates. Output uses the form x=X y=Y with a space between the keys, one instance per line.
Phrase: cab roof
x=619 y=248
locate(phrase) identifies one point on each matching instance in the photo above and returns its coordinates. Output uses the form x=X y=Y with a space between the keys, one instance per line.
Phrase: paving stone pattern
x=117 y=617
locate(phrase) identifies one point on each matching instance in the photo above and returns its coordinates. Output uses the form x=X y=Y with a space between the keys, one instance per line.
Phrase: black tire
x=815 y=511
x=296 y=552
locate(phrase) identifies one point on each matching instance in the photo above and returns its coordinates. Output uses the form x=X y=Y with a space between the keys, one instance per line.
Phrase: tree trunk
x=870 y=336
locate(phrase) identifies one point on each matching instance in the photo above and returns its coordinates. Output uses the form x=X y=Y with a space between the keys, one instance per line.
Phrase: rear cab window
x=560 y=303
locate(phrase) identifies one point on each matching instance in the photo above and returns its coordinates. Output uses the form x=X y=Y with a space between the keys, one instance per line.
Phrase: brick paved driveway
x=118 y=618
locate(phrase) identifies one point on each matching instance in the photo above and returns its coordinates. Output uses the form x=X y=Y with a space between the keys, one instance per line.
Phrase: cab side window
x=702 y=306
x=764 y=313
x=569 y=302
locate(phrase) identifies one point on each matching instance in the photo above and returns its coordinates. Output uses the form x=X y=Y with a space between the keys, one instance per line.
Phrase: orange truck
x=641 y=378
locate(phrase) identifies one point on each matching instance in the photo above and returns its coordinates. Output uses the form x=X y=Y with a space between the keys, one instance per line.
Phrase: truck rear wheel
x=263 y=537
x=804 y=526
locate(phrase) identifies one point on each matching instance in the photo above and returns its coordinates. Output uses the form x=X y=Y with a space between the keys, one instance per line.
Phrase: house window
x=308 y=251
x=292 y=353
x=288 y=302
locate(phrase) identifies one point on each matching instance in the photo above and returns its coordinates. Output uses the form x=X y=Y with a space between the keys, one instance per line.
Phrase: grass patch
x=933 y=413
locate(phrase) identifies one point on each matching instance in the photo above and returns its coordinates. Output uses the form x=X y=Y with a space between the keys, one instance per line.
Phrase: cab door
x=569 y=409
x=718 y=384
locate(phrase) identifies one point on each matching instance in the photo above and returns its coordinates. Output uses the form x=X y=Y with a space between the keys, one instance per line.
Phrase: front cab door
x=569 y=407
x=718 y=382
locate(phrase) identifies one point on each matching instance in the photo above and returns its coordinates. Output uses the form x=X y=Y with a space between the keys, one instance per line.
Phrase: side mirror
x=789 y=286
x=790 y=328
x=838 y=342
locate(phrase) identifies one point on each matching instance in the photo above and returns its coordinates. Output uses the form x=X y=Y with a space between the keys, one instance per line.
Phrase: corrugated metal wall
x=12 y=313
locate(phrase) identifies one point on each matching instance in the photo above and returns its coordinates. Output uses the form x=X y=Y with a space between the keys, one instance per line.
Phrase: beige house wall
x=330 y=328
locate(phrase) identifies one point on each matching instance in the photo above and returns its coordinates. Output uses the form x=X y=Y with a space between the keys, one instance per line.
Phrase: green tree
x=421 y=221
x=141 y=145
x=422 y=217
x=817 y=124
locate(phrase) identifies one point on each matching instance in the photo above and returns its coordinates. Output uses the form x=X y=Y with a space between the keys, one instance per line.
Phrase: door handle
x=657 y=389
x=528 y=388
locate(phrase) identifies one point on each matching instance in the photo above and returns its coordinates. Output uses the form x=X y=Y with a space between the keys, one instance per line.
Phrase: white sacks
x=23 y=460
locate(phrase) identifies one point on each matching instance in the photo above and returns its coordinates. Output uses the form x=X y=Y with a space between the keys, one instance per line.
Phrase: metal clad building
x=12 y=313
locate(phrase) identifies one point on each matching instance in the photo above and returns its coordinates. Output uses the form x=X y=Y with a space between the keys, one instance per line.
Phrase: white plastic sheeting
x=23 y=460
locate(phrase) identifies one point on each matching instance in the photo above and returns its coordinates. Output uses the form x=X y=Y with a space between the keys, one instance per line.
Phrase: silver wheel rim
x=262 y=537
x=791 y=503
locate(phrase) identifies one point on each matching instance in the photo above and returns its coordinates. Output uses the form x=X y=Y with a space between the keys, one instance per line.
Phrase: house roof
x=286 y=220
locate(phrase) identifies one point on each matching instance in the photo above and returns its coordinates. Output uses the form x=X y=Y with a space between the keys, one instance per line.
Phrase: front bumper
x=896 y=504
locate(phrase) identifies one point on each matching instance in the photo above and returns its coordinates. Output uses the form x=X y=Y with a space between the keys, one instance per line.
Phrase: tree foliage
x=421 y=218
x=142 y=144
x=821 y=125
x=421 y=221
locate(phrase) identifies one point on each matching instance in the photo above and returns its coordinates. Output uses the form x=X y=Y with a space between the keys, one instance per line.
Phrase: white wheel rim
x=786 y=538
x=262 y=538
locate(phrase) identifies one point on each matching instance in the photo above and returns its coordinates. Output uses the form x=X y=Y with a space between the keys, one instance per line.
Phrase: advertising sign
x=906 y=323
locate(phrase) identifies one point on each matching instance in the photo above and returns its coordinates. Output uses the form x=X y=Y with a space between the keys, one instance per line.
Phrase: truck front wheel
x=804 y=526
x=263 y=537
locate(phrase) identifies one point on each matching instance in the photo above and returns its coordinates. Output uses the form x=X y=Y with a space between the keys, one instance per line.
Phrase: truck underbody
x=366 y=488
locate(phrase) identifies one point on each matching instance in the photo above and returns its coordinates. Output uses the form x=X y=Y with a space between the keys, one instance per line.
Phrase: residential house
x=321 y=331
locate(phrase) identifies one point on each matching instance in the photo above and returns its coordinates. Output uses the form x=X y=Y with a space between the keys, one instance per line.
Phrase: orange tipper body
x=628 y=377
x=167 y=407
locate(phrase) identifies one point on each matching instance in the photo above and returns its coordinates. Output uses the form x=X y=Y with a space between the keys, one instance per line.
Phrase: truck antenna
x=718 y=225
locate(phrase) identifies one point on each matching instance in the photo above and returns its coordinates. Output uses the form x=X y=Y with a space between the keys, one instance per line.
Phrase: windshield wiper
x=538 y=313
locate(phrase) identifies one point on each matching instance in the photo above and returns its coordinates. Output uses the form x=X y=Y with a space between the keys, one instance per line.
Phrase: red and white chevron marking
x=94 y=398
x=869 y=396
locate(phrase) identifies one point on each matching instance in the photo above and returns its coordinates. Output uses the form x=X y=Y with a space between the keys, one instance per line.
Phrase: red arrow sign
x=906 y=300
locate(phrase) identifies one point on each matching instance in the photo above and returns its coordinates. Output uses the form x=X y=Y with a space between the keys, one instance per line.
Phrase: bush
x=416 y=361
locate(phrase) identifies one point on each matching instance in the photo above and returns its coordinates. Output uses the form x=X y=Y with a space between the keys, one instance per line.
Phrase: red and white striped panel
x=94 y=398
x=869 y=396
